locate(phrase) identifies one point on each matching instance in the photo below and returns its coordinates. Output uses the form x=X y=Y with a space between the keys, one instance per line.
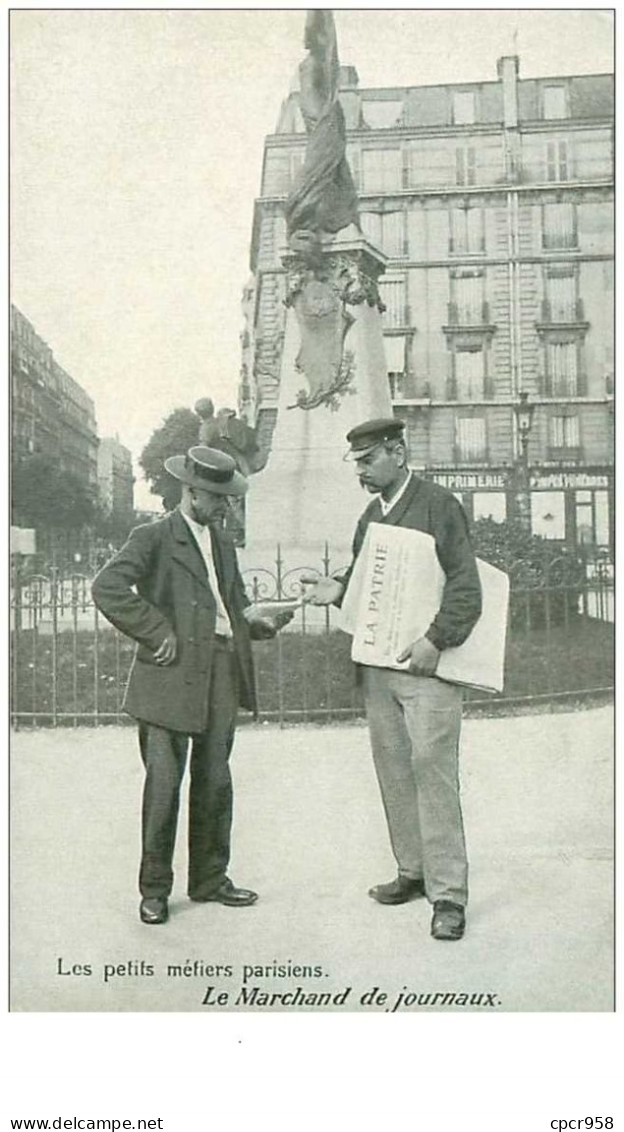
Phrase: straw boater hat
x=208 y=469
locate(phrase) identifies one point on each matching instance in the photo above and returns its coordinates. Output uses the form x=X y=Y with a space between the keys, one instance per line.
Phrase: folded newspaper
x=394 y=593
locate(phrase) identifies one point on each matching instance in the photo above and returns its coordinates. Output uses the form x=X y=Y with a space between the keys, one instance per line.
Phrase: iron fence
x=70 y=667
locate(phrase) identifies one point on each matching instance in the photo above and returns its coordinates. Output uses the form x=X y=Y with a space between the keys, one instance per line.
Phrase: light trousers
x=414 y=724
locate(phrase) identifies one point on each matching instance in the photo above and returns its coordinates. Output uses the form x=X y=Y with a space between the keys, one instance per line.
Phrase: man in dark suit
x=176 y=589
x=414 y=718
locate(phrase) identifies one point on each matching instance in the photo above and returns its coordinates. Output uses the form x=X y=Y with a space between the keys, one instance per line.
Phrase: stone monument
x=333 y=371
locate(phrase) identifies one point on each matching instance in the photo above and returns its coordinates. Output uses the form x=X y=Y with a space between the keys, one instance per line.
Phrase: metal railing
x=70 y=667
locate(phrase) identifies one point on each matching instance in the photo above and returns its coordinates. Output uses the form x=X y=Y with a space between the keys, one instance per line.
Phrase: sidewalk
x=309 y=835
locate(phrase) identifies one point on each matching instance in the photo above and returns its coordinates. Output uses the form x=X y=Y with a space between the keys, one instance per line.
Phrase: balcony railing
x=565 y=454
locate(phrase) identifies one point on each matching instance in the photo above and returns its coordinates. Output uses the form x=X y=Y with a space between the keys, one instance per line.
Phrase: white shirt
x=390 y=503
x=202 y=538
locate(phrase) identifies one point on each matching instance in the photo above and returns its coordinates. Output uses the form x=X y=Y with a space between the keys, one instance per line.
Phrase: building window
x=467 y=305
x=353 y=159
x=562 y=370
x=280 y=170
x=381 y=170
x=466 y=231
x=394 y=234
x=564 y=432
x=276 y=173
x=386 y=230
x=463 y=107
x=393 y=294
x=548 y=514
x=470 y=438
x=380 y=115
x=557 y=166
x=602 y=533
x=370 y=223
x=561 y=301
x=398 y=386
x=490 y=505
x=469 y=374
x=465 y=165
x=559 y=226
x=584 y=517
x=395 y=349
x=554 y=102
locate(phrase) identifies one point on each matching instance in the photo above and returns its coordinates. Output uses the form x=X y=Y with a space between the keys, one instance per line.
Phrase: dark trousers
x=210 y=797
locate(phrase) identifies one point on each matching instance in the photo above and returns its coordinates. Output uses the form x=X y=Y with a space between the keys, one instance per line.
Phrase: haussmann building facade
x=494 y=204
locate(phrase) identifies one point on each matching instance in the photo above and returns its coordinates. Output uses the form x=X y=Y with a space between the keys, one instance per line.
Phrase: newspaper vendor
x=414 y=719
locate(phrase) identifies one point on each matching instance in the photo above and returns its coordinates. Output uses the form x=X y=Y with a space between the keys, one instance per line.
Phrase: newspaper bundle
x=393 y=595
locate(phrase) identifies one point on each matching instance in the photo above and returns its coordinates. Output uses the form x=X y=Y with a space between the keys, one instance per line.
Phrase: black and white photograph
x=312 y=511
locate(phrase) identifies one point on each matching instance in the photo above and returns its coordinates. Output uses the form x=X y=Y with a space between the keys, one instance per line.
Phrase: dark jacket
x=425 y=506
x=158 y=584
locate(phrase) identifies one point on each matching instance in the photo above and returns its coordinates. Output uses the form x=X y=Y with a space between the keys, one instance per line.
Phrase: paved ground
x=310 y=836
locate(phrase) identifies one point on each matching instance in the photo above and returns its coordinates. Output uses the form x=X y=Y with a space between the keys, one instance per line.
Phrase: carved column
x=333 y=376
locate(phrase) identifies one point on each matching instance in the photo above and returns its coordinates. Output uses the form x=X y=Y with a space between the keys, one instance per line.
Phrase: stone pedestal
x=333 y=376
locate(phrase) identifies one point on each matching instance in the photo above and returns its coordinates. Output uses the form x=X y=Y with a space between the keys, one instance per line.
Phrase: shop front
x=570 y=505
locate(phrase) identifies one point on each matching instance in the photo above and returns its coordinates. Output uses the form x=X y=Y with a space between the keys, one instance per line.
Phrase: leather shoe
x=154 y=910
x=449 y=920
x=398 y=891
x=227 y=893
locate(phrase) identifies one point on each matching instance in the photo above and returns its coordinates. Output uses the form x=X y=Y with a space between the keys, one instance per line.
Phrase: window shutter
x=563 y=160
x=551 y=161
x=470 y=437
x=394 y=348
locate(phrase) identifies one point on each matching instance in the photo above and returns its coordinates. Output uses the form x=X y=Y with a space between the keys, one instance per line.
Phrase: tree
x=178 y=432
x=47 y=498
x=112 y=527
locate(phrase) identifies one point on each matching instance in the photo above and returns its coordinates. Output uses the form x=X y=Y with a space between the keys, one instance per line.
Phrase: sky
x=136 y=153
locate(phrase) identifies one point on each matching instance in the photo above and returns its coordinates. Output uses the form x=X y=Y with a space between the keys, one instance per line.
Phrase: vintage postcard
x=277 y=275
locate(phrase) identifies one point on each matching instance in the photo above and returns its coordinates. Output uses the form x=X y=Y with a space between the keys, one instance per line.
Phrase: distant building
x=115 y=478
x=494 y=203
x=51 y=414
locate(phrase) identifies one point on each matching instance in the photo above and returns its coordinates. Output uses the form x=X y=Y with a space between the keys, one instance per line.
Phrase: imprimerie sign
x=541 y=478
x=465 y=481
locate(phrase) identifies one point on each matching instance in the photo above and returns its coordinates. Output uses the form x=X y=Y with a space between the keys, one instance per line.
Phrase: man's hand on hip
x=166 y=654
x=423 y=657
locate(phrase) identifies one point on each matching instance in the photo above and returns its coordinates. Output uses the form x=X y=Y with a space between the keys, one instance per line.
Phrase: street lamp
x=524 y=420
